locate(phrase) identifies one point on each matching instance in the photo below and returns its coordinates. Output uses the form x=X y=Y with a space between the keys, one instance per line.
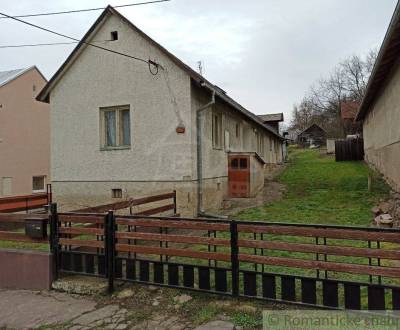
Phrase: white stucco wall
x=159 y=159
x=382 y=131
x=101 y=79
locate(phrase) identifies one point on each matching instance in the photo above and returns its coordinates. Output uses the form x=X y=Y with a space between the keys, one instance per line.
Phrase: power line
x=149 y=62
x=84 y=10
x=43 y=44
x=37 y=45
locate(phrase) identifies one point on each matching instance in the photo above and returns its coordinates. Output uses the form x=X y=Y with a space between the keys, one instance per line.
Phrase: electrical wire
x=37 y=45
x=85 y=10
x=44 y=44
x=149 y=62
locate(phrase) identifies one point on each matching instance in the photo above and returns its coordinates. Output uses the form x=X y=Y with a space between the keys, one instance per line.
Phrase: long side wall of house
x=215 y=159
x=158 y=160
x=382 y=132
x=24 y=134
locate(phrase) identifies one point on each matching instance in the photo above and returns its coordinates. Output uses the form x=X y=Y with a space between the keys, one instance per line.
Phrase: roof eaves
x=44 y=94
x=370 y=92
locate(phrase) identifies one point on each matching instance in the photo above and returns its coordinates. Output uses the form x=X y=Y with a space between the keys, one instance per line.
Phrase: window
x=38 y=184
x=114 y=35
x=260 y=144
x=235 y=163
x=237 y=130
x=116 y=193
x=115 y=126
x=217 y=130
x=243 y=163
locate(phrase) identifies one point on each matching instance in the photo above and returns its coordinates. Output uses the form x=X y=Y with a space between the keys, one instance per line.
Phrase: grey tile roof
x=7 y=76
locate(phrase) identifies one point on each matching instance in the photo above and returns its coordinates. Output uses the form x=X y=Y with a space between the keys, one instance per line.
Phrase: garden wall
x=21 y=269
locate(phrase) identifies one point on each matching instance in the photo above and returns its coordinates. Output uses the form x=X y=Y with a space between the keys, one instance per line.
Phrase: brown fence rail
x=131 y=203
x=316 y=265
x=17 y=223
x=25 y=202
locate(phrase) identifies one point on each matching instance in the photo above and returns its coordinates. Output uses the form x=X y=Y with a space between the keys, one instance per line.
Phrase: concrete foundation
x=20 y=269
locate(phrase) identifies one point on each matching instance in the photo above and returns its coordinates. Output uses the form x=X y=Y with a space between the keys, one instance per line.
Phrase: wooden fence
x=131 y=203
x=17 y=234
x=349 y=150
x=25 y=202
x=315 y=265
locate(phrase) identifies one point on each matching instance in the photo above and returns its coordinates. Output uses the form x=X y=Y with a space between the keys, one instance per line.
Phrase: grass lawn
x=322 y=191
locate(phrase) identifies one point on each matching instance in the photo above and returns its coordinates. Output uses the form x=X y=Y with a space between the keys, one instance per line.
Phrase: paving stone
x=216 y=325
x=182 y=299
x=21 y=309
x=127 y=293
x=99 y=314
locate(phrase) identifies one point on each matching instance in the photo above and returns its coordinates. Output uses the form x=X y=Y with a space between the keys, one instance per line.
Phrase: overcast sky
x=264 y=53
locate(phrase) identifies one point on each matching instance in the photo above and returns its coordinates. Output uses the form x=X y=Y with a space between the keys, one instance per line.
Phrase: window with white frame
x=39 y=183
x=217 y=130
x=115 y=123
x=260 y=143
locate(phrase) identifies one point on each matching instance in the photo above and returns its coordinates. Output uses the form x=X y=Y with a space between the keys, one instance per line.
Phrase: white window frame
x=44 y=184
x=216 y=130
x=118 y=130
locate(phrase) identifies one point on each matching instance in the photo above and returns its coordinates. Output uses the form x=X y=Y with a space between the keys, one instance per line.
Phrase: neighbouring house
x=24 y=133
x=124 y=128
x=313 y=135
x=380 y=108
x=273 y=120
x=348 y=113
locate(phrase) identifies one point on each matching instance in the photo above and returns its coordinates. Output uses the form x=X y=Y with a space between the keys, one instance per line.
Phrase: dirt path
x=272 y=191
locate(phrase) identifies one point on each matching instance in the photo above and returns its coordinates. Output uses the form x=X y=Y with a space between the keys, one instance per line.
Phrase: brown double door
x=239 y=176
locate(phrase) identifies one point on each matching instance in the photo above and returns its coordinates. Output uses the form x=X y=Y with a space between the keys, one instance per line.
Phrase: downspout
x=199 y=112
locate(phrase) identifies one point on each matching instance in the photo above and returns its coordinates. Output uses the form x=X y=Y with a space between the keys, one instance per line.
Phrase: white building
x=122 y=125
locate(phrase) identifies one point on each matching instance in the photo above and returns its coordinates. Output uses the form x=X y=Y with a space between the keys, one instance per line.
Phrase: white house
x=123 y=127
x=380 y=108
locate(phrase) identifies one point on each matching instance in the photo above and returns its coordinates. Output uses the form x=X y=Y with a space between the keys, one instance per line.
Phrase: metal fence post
x=175 y=208
x=234 y=258
x=110 y=249
x=53 y=238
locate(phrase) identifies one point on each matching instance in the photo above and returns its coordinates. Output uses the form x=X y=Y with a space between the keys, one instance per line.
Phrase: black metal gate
x=315 y=265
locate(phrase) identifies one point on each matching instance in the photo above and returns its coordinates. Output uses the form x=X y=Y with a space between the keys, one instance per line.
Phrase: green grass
x=322 y=191
x=23 y=245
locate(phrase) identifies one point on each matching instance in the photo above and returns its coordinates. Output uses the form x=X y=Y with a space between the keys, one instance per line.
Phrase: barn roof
x=220 y=93
x=311 y=126
x=271 y=117
x=386 y=60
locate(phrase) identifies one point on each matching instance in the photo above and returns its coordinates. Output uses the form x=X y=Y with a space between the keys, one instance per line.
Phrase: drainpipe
x=199 y=112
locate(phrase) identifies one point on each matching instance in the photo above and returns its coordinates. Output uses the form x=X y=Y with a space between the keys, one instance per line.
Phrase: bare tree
x=323 y=102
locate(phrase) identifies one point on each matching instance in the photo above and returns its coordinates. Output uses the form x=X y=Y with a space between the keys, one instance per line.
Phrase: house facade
x=24 y=133
x=312 y=135
x=380 y=108
x=120 y=129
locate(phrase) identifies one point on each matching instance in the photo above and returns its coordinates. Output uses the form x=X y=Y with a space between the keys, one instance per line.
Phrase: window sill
x=115 y=148
x=38 y=191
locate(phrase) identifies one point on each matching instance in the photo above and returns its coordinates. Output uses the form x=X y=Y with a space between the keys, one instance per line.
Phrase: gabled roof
x=8 y=76
x=386 y=60
x=311 y=126
x=349 y=109
x=271 y=117
x=44 y=94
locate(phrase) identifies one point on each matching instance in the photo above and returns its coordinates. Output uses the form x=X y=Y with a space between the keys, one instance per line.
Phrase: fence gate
x=315 y=265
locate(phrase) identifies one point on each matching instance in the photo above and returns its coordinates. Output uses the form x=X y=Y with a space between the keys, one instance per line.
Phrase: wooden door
x=239 y=176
